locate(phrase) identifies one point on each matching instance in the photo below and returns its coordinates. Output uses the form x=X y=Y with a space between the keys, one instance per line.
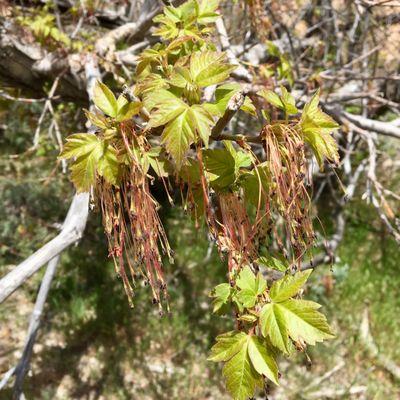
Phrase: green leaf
x=247 y=297
x=96 y=119
x=256 y=184
x=288 y=286
x=80 y=144
x=206 y=11
x=251 y=287
x=221 y=293
x=104 y=99
x=285 y=102
x=92 y=155
x=241 y=377
x=228 y=344
x=246 y=279
x=221 y=164
x=273 y=325
x=158 y=161
x=288 y=102
x=298 y=319
x=248 y=318
x=184 y=125
x=317 y=128
x=209 y=68
x=177 y=137
x=128 y=110
x=278 y=263
x=224 y=165
x=304 y=322
x=201 y=121
x=108 y=166
x=262 y=361
x=167 y=106
x=271 y=97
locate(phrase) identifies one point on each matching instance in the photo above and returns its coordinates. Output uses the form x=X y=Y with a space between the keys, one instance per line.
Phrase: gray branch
x=72 y=231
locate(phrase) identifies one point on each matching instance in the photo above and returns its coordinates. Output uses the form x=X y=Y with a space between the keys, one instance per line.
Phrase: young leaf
x=224 y=165
x=183 y=129
x=304 y=322
x=285 y=101
x=167 y=106
x=206 y=11
x=128 y=110
x=221 y=164
x=317 y=128
x=80 y=144
x=251 y=287
x=201 y=121
x=223 y=94
x=96 y=119
x=273 y=325
x=278 y=263
x=228 y=344
x=108 y=166
x=271 y=97
x=256 y=184
x=104 y=99
x=221 y=293
x=209 y=68
x=177 y=137
x=241 y=377
x=288 y=286
x=262 y=361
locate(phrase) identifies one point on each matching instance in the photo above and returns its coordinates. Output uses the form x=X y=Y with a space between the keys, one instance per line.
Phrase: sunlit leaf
x=288 y=286
x=104 y=99
x=262 y=360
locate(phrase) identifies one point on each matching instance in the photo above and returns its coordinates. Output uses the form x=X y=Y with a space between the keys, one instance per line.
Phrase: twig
x=34 y=324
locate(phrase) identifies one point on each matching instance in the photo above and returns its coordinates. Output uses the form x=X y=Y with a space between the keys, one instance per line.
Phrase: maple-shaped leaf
x=178 y=135
x=286 y=317
x=317 y=127
x=224 y=165
x=247 y=359
x=304 y=322
x=201 y=122
x=92 y=156
x=240 y=375
x=285 y=101
x=164 y=107
x=250 y=286
x=80 y=144
x=273 y=325
x=209 y=68
x=108 y=166
x=228 y=344
x=104 y=99
x=262 y=360
x=288 y=286
x=183 y=124
x=206 y=11
x=221 y=294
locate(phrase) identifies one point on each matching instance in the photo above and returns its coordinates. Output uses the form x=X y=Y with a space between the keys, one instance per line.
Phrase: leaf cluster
x=271 y=320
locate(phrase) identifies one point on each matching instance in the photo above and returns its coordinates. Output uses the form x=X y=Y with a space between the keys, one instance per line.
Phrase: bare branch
x=34 y=324
x=72 y=230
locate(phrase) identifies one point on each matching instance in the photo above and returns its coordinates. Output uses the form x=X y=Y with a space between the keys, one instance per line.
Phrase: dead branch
x=72 y=230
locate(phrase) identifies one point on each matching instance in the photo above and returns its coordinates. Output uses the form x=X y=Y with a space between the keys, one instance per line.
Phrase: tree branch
x=72 y=230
